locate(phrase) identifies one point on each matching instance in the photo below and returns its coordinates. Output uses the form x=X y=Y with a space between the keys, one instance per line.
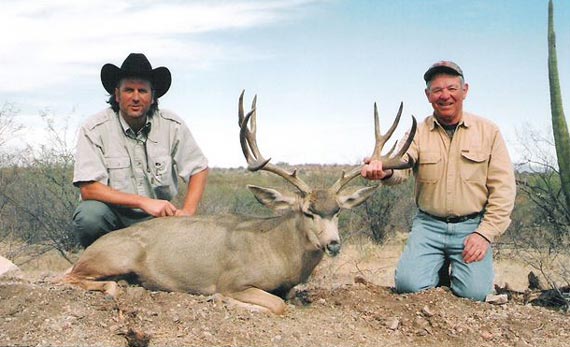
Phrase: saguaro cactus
x=559 y=126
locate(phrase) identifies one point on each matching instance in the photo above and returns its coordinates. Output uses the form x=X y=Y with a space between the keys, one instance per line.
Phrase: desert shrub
x=226 y=192
x=37 y=193
x=389 y=210
x=539 y=234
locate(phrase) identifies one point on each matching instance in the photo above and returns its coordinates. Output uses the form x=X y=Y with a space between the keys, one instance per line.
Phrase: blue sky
x=316 y=66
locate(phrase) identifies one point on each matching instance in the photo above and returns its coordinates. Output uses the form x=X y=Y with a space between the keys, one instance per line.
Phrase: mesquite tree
x=559 y=126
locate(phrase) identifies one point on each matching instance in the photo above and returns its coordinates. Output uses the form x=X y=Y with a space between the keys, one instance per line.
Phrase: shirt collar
x=145 y=130
x=465 y=121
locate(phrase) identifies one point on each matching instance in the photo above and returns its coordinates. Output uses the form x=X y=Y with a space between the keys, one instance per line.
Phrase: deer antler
x=389 y=161
x=255 y=160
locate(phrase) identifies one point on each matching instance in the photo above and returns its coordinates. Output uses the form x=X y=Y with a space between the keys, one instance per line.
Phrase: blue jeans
x=93 y=219
x=431 y=242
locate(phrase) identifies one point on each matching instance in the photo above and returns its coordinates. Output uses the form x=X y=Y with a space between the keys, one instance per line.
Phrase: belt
x=457 y=219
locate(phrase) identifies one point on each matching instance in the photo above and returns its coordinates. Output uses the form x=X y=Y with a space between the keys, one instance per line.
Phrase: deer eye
x=309 y=215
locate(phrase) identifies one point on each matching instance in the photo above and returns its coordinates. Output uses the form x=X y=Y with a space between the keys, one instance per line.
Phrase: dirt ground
x=347 y=302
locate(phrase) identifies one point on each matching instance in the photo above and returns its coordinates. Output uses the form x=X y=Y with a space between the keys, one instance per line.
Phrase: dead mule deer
x=253 y=261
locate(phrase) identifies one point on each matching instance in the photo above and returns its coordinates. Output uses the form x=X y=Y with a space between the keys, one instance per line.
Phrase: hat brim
x=160 y=78
x=440 y=69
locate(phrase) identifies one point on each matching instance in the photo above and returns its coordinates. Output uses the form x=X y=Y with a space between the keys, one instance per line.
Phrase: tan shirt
x=147 y=163
x=468 y=173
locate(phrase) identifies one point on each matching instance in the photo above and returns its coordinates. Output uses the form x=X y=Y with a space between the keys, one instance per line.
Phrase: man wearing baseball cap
x=464 y=189
x=130 y=155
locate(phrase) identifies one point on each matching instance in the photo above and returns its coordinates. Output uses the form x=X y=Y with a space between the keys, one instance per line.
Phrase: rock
x=497 y=299
x=393 y=324
x=427 y=311
x=7 y=267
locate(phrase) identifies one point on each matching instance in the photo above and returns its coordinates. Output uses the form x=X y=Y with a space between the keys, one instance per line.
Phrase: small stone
x=427 y=311
x=420 y=323
x=393 y=324
x=497 y=299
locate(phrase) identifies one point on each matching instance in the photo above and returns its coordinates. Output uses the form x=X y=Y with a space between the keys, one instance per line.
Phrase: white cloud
x=48 y=43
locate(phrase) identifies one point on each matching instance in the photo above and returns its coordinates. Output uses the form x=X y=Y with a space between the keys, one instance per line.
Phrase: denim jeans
x=93 y=219
x=431 y=242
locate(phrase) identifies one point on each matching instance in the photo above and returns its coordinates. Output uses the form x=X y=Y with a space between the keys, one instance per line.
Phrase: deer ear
x=272 y=198
x=358 y=197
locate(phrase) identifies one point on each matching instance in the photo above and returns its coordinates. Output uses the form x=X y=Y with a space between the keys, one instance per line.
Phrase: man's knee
x=475 y=280
x=91 y=220
x=409 y=282
x=475 y=290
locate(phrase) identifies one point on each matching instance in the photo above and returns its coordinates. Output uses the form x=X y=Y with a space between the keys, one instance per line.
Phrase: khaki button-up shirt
x=147 y=163
x=468 y=173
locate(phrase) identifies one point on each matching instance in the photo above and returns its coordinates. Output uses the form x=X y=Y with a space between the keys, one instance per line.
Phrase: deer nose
x=333 y=248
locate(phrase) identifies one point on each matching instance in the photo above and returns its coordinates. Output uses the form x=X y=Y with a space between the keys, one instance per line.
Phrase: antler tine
x=254 y=159
x=240 y=109
x=252 y=131
x=252 y=154
x=345 y=178
x=388 y=161
x=253 y=125
x=397 y=161
x=382 y=139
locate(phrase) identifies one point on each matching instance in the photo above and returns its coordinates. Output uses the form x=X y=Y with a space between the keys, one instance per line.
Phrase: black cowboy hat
x=136 y=65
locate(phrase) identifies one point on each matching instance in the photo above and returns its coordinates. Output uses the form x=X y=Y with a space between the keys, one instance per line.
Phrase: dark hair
x=115 y=105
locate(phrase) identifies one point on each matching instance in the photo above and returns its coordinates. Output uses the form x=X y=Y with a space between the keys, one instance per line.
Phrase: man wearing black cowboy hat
x=130 y=155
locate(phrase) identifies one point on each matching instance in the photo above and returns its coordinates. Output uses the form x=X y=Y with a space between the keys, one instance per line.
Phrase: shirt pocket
x=474 y=166
x=119 y=169
x=430 y=167
x=162 y=180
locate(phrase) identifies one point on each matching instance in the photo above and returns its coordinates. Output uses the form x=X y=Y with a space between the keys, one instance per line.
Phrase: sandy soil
x=347 y=302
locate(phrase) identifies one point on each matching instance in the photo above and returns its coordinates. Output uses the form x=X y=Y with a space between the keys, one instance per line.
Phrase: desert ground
x=348 y=301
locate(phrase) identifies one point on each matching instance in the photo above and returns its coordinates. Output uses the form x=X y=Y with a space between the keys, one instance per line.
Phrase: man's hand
x=101 y=192
x=372 y=170
x=476 y=247
x=158 y=208
x=183 y=213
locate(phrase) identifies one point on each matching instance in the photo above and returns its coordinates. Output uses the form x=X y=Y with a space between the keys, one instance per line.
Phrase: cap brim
x=440 y=69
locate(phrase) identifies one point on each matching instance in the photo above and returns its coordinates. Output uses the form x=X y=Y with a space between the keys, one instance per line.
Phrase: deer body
x=205 y=255
x=254 y=261
x=230 y=255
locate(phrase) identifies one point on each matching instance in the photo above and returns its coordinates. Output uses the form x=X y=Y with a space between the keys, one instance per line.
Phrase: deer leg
x=110 y=288
x=103 y=261
x=219 y=298
x=258 y=297
x=94 y=275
